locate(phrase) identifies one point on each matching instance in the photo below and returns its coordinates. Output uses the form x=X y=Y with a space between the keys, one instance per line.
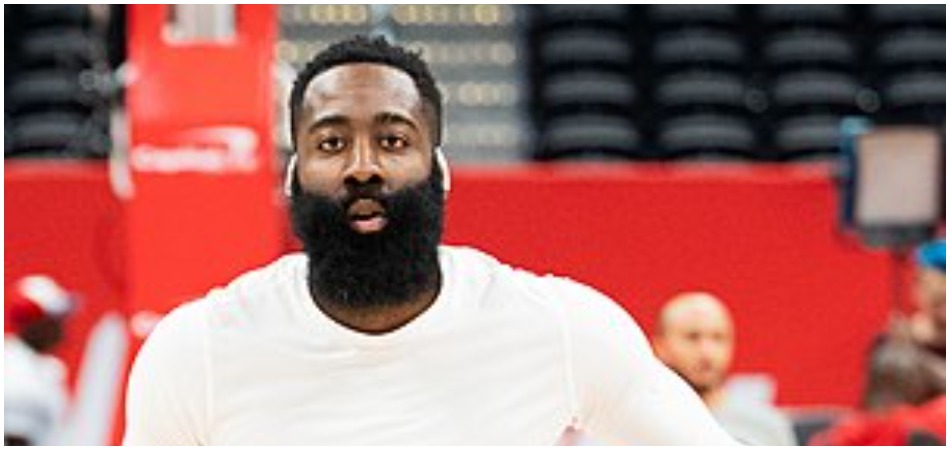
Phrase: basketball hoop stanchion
x=201 y=151
x=203 y=197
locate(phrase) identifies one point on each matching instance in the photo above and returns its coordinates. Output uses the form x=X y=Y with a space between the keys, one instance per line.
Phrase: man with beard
x=379 y=335
x=695 y=338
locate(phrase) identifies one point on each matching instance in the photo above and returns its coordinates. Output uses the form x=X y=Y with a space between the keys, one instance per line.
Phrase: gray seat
x=690 y=47
x=680 y=15
x=61 y=134
x=55 y=14
x=800 y=14
x=572 y=15
x=808 y=47
x=586 y=47
x=816 y=133
x=706 y=132
x=65 y=47
x=43 y=89
x=908 y=14
x=589 y=133
x=913 y=47
x=588 y=88
x=916 y=89
x=815 y=89
x=701 y=88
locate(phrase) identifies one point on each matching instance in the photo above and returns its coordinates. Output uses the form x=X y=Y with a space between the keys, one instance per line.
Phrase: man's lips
x=366 y=216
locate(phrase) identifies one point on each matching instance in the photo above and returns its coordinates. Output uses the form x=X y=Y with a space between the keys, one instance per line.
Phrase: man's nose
x=363 y=166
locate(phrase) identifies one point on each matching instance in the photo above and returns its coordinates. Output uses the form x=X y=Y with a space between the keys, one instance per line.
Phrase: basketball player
x=376 y=334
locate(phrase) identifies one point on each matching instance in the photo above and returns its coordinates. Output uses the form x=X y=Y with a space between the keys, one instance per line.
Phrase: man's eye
x=393 y=142
x=331 y=144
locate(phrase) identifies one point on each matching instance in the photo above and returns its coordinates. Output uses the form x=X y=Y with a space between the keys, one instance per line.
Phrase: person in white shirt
x=35 y=395
x=695 y=337
x=376 y=334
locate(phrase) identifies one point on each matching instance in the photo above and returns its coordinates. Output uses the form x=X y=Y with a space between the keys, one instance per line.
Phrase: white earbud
x=444 y=165
x=289 y=176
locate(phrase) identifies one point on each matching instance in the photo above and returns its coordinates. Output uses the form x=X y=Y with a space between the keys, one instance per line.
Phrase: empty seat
x=595 y=89
x=916 y=89
x=560 y=15
x=39 y=90
x=699 y=89
x=916 y=97
x=55 y=14
x=706 y=132
x=918 y=47
x=904 y=15
x=60 y=134
x=808 y=48
x=815 y=89
x=816 y=133
x=813 y=15
x=589 y=133
x=698 y=47
x=692 y=15
x=584 y=48
x=63 y=47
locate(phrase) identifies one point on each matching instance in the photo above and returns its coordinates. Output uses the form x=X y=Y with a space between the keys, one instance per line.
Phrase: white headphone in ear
x=444 y=165
x=289 y=176
x=439 y=159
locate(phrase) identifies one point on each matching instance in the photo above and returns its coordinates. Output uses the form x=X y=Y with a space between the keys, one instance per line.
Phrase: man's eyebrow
x=395 y=117
x=327 y=120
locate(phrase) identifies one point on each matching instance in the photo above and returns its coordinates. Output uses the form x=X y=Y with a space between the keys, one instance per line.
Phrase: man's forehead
x=362 y=79
x=696 y=315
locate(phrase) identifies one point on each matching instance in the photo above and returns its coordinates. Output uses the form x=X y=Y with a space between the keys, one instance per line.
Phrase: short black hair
x=366 y=49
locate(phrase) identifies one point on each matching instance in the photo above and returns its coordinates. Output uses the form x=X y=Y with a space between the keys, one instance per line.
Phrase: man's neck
x=714 y=397
x=378 y=319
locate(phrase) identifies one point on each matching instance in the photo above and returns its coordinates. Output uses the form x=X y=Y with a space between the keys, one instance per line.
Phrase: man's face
x=698 y=345
x=932 y=296
x=367 y=200
x=362 y=125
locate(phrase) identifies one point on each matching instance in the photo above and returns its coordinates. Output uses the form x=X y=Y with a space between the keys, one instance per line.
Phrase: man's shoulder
x=244 y=296
x=511 y=284
x=282 y=272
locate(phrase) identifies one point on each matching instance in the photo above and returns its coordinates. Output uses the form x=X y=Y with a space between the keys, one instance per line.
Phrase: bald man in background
x=695 y=338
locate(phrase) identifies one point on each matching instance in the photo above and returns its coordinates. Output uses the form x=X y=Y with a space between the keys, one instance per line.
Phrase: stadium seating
x=764 y=82
x=57 y=83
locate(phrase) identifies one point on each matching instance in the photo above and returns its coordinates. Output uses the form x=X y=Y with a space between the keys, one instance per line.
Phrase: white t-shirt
x=501 y=357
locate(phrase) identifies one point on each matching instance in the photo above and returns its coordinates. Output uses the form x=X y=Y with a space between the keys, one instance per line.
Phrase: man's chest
x=462 y=387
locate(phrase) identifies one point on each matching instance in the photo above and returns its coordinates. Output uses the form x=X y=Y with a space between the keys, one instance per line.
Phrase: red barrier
x=806 y=300
x=201 y=157
x=63 y=220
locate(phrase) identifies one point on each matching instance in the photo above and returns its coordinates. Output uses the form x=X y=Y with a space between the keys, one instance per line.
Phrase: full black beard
x=371 y=271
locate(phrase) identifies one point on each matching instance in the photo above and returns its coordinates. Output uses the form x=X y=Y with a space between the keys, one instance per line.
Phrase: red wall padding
x=806 y=300
x=63 y=220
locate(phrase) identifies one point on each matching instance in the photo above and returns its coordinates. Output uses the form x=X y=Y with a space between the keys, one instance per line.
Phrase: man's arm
x=166 y=399
x=624 y=395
